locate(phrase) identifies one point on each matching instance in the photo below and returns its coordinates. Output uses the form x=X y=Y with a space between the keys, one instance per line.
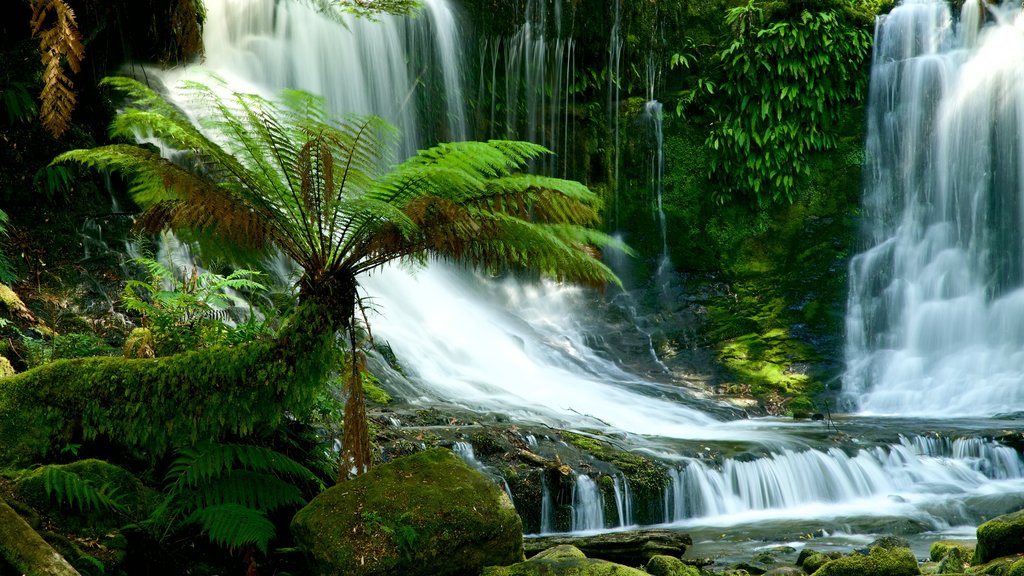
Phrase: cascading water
x=587 y=506
x=928 y=479
x=935 y=324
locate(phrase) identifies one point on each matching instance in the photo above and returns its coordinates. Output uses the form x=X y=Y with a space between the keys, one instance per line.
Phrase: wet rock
x=940 y=548
x=563 y=560
x=632 y=548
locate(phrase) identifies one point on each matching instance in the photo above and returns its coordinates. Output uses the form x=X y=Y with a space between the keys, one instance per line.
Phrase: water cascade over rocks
x=935 y=325
x=930 y=294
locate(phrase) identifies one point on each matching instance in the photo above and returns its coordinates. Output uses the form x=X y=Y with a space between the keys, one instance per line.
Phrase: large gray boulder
x=427 y=514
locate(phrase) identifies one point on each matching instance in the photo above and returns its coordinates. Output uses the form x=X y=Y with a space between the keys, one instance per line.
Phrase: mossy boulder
x=425 y=514
x=815 y=560
x=90 y=497
x=670 y=566
x=564 y=560
x=880 y=561
x=1017 y=568
x=1001 y=536
x=953 y=562
x=938 y=550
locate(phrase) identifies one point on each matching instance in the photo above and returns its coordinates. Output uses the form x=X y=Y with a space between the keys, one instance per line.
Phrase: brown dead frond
x=58 y=39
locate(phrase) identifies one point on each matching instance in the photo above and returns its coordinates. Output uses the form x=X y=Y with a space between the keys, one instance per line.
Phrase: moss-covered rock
x=953 y=562
x=880 y=561
x=1017 y=568
x=563 y=560
x=937 y=551
x=425 y=514
x=816 y=560
x=1001 y=536
x=90 y=497
x=669 y=566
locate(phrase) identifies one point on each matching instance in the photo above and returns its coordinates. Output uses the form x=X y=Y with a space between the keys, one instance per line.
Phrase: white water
x=936 y=310
x=929 y=479
x=587 y=505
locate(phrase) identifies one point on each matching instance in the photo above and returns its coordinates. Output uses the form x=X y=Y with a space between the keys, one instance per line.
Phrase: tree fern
x=69 y=488
x=287 y=174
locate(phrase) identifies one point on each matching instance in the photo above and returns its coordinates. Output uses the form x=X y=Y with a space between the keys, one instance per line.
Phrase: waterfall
x=538 y=68
x=931 y=475
x=935 y=322
x=587 y=505
x=623 y=500
x=654 y=112
x=615 y=45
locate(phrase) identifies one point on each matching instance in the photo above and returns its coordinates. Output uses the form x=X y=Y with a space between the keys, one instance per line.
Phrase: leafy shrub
x=785 y=77
x=192 y=312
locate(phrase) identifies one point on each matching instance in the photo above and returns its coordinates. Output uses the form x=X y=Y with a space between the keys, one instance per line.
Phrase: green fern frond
x=207 y=462
x=234 y=526
x=68 y=487
x=252 y=489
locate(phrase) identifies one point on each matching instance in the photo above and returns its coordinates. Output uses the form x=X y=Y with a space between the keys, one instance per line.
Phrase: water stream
x=920 y=329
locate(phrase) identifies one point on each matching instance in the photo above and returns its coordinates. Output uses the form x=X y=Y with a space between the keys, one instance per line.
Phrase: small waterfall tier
x=935 y=323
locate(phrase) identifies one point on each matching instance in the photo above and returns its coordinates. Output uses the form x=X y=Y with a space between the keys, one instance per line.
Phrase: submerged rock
x=427 y=514
x=1001 y=536
x=565 y=560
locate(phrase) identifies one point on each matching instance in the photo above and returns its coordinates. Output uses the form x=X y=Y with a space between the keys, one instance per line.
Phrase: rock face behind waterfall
x=425 y=514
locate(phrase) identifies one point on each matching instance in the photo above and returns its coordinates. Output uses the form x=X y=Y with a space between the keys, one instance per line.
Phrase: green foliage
x=188 y=313
x=18 y=103
x=228 y=490
x=784 y=81
x=7 y=275
x=68 y=487
x=79 y=345
x=53 y=181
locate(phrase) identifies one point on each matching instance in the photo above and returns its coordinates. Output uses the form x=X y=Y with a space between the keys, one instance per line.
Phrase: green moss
x=1016 y=569
x=669 y=566
x=643 y=474
x=5 y=367
x=880 y=561
x=1001 y=536
x=374 y=393
x=937 y=551
x=195 y=396
x=451 y=518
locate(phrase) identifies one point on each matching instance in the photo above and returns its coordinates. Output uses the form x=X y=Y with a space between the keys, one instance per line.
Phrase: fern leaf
x=77 y=492
x=234 y=526
x=251 y=489
x=205 y=462
x=60 y=41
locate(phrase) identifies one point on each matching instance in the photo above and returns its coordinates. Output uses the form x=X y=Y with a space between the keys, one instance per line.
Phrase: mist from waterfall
x=935 y=324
